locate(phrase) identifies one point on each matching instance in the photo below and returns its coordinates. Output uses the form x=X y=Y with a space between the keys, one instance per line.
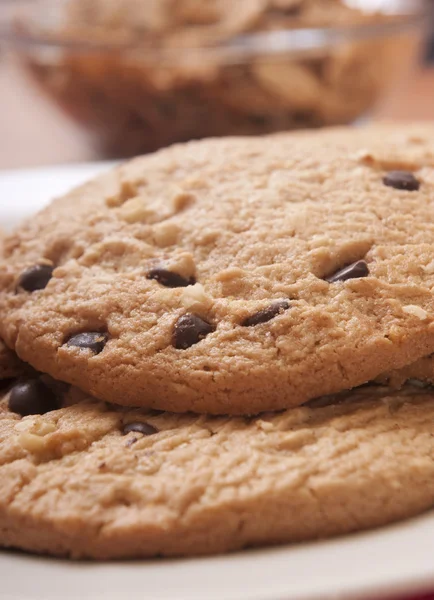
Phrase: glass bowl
x=136 y=94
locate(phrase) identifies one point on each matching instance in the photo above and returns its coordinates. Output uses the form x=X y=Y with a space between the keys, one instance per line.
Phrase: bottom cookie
x=93 y=481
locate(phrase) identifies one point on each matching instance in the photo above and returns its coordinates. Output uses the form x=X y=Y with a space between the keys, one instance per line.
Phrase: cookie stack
x=224 y=344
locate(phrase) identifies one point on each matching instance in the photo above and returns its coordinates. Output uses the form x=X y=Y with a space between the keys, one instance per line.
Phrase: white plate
x=393 y=560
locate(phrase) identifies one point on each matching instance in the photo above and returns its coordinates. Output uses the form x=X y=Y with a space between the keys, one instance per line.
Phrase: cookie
x=93 y=481
x=420 y=373
x=232 y=276
x=139 y=101
x=10 y=365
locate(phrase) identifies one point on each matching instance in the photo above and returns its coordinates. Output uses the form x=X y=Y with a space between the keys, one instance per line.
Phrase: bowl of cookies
x=142 y=75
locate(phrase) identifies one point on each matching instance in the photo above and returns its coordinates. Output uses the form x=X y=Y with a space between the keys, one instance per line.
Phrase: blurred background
x=100 y=79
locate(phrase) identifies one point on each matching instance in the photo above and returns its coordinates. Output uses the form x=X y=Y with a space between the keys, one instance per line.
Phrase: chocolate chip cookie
x=10 y=364
x=232 y=276
x=419 y=373
x=89 y=480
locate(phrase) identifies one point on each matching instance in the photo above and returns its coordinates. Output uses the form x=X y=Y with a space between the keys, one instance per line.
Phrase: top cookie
x=208 y=277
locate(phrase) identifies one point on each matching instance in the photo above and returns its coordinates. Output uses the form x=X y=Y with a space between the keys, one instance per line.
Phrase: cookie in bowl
x=142 y=75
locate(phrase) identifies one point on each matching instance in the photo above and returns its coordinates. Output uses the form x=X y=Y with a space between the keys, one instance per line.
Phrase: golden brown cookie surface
x=235 y=275
x=10 y=365
x=93 y=481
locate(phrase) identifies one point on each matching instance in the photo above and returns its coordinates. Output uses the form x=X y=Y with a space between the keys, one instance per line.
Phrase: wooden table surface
x=35 y=132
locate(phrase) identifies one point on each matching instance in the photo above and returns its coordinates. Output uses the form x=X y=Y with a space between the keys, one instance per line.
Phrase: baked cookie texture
x=421 y=371
x=208 y=277
x=93 y=481
x=10 y=364
x=180 y=70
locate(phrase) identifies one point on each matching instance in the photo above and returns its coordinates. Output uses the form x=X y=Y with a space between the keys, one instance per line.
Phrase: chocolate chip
x=35 y=278
x=89 y=340
x=354 y=271
x=5 y=383
x=189 y=330
x=266 y=314
x=402 y=180
x=32 y=398
x=169 y=278
x=139 y=427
